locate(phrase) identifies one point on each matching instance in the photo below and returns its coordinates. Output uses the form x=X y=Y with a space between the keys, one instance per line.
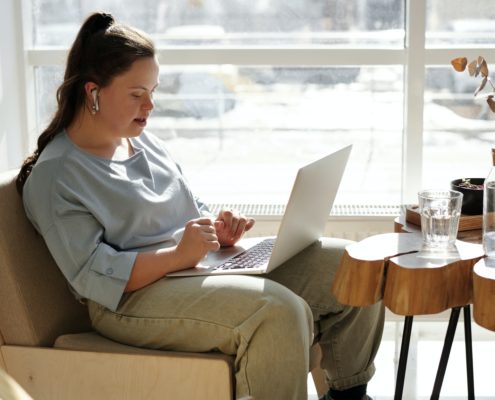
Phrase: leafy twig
x=476 y=68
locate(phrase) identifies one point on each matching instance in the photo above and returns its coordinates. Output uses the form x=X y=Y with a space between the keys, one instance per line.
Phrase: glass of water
x=440 y=212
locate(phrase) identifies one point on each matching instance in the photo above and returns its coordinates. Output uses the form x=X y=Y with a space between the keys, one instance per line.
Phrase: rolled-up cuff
x=346 y=383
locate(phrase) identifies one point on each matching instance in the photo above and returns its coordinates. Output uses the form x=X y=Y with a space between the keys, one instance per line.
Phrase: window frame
x=414 y=58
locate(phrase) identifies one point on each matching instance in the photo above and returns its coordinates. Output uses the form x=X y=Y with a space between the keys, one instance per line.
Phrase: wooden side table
x=484 y=293
x=391 y=267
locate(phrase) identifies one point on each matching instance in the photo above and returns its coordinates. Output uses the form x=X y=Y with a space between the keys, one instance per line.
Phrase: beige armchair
x=48 y=346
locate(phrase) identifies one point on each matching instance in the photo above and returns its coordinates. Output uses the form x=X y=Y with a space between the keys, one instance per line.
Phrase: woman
x=117 y=216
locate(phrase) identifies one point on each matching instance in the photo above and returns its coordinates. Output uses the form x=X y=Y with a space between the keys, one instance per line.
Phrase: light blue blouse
x=95 y=214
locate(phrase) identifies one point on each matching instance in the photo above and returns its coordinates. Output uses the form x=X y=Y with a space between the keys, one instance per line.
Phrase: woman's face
x=126 y=104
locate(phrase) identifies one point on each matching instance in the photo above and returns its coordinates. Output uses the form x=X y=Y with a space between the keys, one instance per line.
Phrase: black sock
x=354 y=393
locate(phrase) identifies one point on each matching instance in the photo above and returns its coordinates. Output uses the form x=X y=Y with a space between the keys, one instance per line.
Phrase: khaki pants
x=268 y=323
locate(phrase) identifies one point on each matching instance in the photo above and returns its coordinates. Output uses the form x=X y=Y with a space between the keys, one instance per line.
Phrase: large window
x=250 y=90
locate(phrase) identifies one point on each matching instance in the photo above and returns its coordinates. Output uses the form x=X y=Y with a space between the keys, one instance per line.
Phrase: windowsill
x=354 y=222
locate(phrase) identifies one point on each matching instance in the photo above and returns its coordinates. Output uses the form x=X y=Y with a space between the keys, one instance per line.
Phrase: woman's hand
x=198 y=239
x=230 y=226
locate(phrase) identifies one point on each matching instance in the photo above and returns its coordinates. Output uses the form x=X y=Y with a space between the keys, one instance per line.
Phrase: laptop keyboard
x=254 y=257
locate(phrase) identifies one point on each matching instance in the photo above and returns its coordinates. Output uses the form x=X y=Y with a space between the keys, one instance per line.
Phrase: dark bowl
x=472 y=200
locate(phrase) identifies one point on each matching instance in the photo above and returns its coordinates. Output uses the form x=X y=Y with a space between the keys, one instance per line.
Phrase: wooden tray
x=466 y=223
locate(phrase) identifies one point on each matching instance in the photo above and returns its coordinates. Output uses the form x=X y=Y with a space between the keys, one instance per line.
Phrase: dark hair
x=102 y=50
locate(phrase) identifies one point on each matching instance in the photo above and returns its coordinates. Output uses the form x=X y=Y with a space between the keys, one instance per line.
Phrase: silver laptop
x=303 y=223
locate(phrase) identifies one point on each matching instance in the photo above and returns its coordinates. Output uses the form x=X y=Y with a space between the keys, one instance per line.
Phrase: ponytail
x=102 y=50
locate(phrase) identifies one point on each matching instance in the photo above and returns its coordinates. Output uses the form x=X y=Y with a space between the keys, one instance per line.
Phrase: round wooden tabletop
x=394 y=268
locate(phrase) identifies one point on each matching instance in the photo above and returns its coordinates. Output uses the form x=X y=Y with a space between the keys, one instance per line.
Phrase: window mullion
x=442 y=56
x=250 y=56
x=282 y=56
x=25 y=28
x=414 y=80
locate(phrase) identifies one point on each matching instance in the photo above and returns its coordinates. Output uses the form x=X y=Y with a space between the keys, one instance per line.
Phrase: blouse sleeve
x=93 y=268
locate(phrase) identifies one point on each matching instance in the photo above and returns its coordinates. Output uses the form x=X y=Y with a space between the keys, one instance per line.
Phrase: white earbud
x=95 y=107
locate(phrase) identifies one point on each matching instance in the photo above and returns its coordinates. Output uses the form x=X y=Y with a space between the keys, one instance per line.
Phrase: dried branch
x=476 y=68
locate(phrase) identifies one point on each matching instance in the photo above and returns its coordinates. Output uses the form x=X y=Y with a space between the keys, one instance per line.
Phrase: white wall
x=13 y=125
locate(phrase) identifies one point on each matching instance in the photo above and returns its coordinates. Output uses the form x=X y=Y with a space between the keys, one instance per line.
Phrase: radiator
x=349 y=221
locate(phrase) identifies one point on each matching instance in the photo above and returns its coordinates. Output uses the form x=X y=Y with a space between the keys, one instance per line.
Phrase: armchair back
x=36 y=305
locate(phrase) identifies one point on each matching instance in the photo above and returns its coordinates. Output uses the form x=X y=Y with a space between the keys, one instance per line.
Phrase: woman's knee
x=285 y=306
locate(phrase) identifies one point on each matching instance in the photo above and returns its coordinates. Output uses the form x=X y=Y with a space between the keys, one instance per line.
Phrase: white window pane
x=47 y=81
x=460 y=22
x=233 y=22
x=459 y=130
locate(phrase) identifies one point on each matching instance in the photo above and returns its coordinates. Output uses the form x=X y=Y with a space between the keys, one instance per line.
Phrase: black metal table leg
x=468 y=340
x=444 y=358
x=404 y=350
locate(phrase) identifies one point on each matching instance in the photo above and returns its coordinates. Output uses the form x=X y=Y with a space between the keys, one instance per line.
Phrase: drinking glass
x=440 y=212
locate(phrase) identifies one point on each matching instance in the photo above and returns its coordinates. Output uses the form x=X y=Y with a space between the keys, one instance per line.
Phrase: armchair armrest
x=56 y=374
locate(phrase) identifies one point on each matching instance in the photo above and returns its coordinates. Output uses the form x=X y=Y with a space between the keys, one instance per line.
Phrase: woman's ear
x=89 y=87
x=91 y=90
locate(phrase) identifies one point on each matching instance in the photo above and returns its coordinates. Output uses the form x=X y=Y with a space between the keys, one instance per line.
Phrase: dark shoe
x=328 y=397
